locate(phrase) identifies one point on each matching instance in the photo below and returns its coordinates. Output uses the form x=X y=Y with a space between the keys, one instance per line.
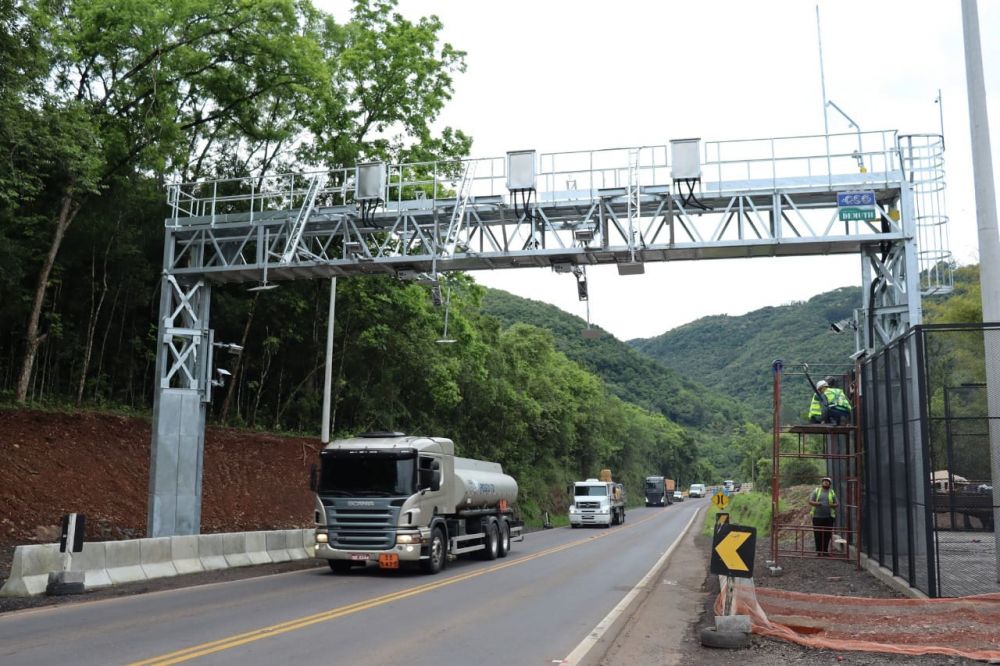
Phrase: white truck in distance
x=391 y=498
x=597 y=502
x=696 y=490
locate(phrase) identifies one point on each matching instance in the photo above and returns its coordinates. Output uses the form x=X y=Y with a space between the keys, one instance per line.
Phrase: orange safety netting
x=959 y=627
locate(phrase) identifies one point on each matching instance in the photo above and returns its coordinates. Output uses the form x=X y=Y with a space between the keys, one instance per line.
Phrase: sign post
x=70 y=541
x=733 y=549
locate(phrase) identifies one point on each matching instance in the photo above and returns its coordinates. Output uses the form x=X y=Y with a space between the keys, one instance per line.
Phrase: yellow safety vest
x=832 y=500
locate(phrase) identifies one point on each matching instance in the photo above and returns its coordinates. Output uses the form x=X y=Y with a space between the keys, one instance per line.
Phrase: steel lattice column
x=183 y=364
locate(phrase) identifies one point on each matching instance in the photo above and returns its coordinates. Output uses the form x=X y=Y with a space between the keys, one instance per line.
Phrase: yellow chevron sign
x=720 y=500
x=733 y=551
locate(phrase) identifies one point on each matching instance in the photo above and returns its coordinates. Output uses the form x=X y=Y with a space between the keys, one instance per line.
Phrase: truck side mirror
x=312 y=477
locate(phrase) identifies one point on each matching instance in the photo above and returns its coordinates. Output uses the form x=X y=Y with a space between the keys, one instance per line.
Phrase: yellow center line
x=236 y=640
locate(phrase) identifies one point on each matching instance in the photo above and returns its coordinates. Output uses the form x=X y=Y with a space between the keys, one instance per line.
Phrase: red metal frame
x=840 y=443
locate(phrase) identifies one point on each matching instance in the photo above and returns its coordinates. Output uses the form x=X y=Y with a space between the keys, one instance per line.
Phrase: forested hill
x=627 y=373
x=733 y=355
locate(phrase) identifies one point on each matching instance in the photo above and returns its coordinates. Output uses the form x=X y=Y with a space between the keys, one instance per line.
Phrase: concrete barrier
x=116 y=562
x=212 y=552
x=156 y=557
x=277 y=546
x=234 y=547
x=296 y=544
x=93 y=563
x=123 y=560
x=184 y=553
x=29 y=571
x=257 y=548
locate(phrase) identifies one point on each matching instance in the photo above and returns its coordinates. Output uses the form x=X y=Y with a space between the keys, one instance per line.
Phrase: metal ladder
x=458 y=214
x=299 y=225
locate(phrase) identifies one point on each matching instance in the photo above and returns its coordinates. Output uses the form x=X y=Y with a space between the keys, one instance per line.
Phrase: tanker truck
x=597 y=502
x=392 y=499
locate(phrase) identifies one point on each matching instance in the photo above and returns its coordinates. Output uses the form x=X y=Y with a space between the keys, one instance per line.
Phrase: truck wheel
x=622 y=521
x=437 y=553
x=504 y=546
x=492 y=541
x=339 y=566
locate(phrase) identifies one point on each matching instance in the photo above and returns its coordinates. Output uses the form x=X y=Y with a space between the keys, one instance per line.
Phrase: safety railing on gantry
x=839 y=161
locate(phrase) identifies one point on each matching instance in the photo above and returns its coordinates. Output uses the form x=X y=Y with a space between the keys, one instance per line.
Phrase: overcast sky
x=579 y=75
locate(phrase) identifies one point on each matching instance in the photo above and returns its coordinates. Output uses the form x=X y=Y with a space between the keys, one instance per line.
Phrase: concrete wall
x=106 y=563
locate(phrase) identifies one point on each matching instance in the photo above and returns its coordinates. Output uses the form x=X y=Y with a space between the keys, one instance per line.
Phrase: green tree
x=131 y=87
x=389 y=80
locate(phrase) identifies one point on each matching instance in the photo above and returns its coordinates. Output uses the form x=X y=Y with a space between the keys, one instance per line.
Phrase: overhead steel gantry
x=683 y=201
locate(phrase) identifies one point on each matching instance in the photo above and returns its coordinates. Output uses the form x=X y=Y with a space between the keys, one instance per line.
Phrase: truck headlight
x=409 y=538
x=322 y=537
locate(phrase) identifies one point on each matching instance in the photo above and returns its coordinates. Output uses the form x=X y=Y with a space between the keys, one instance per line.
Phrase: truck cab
x=597 y=502
x=656 y=491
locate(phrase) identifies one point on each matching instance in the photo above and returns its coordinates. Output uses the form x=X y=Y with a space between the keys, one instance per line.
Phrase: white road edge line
x=581 y=650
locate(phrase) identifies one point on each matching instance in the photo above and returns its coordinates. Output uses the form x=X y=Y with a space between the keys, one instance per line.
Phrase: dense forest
x=733 y=354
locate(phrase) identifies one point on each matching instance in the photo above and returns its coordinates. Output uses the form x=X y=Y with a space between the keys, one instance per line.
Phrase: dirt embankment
x=98 y=464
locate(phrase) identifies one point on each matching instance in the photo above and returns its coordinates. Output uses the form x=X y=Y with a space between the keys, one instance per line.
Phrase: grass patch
x=746 y=509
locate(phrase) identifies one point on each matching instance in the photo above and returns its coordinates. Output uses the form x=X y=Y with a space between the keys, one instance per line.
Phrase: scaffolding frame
x=842 y=452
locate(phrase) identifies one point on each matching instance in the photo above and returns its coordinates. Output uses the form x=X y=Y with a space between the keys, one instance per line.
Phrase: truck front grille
x=588 y=505
x=361 y=529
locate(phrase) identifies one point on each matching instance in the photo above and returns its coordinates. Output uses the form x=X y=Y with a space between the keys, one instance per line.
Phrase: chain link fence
x=928 y=498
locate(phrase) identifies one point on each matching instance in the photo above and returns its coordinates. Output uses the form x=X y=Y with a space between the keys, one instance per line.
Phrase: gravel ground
x=800 y=575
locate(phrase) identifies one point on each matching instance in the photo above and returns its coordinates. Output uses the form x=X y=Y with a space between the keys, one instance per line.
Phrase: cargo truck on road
x=659 y=491
x=597 y=502
x=394 y=499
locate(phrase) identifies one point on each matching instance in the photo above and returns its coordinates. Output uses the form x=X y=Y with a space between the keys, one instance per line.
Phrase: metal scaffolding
x=839 y=448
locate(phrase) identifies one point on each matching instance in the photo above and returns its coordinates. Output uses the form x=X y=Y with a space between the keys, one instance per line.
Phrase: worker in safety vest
x=829 y=404
x=823 y=501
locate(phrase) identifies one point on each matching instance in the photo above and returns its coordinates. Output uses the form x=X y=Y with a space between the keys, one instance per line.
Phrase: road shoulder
x=657 y=628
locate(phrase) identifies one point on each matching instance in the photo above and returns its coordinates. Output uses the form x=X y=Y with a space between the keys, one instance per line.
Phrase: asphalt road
x=534 y=607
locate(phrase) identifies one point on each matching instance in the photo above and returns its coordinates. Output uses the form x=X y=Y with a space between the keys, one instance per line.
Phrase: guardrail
x=107 y=563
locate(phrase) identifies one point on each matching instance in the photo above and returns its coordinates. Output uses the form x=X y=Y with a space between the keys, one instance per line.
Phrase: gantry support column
x=183 y=366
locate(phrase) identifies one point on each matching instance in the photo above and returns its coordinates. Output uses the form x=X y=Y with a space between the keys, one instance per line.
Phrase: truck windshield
x=367 y=476
x=654 y=485
x=591 y=491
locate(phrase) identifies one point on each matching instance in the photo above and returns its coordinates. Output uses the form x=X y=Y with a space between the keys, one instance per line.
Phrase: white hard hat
x=821 y=384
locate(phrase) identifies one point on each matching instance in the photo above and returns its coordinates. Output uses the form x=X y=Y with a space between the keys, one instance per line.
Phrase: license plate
x=388 y=561
x=359 y=557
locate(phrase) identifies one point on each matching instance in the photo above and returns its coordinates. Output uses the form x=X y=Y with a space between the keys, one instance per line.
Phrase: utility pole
x=989 y=241
x=328 y=368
